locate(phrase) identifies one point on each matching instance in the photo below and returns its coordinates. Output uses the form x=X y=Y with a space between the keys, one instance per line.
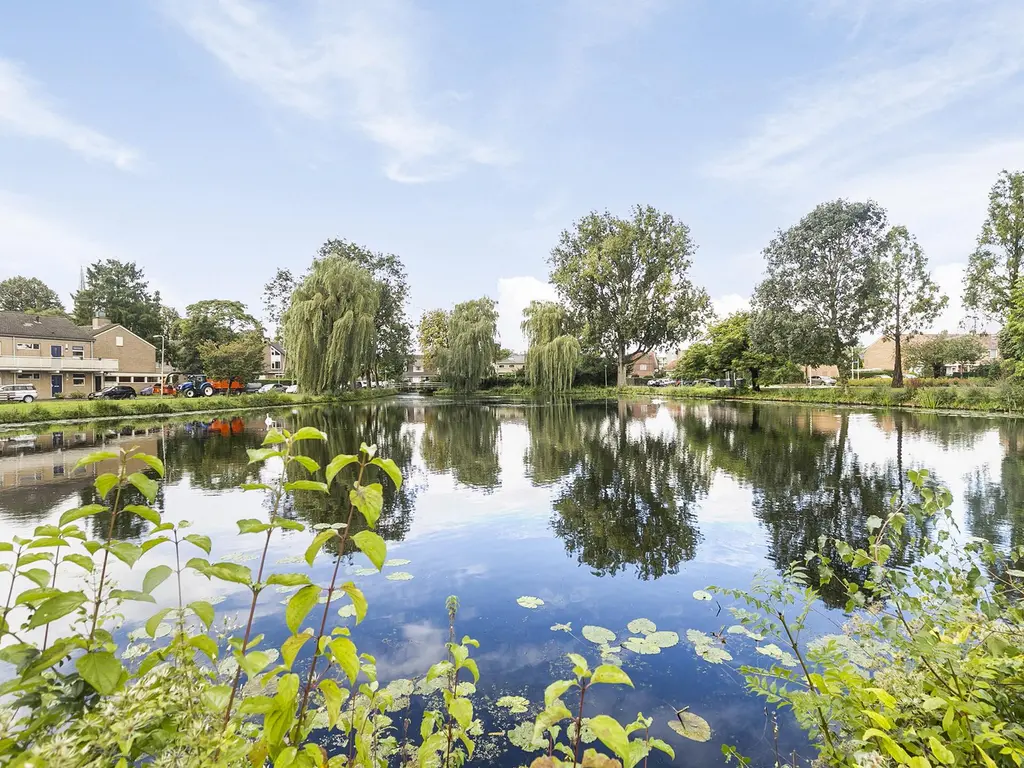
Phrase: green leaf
x=251 y=525
x=556 y=690
x=145 y=485
x=941 y=752
x=581 y=668
x=104 y=483
x=101 y=670
x=204 y=611
x=132 y=594
x=332 y=699
x=289 y=579
x=462 y=710
x=306 y=485
x=337 y=464
x=6 y=546
x=38 y=575
x=126 y=552
x=82 y=561
x=274 y=437
x=288 y=525
x=257 y=705
x=93 y=458
x=390 y=468
x=317 y=543
x=232 y=572
x=611 y=734
x=309 y=433
x=35 y=596
x=262 y=454
x=661 y=745
x=346 y=656
x=203 y=542
x=888 y=744
x=155 y=621
x=254 y=487
x=216 y=697
x=155 y=577
x=77 y=514
x=300 y=604
x=358 y=599
x=883 y=696
x=55 y=608
x=146 y=513
x=369 y=500
x=608 y=673
x=153 y=462
x=253 y=662
x=373 y=546
x=290 y=648
x=309 y=465
x=148 y=544
x=48 y=541
x=204 y=644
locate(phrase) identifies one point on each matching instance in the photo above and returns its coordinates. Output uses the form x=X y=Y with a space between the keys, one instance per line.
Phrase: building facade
x=138 y=363
x=643 y=366
x=511 y=364
x=273 y=361
x=880 y=355
x=418 y=372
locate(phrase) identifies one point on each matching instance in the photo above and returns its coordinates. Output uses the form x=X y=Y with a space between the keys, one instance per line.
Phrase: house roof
x=274 y=345
x=41 y=327
x=94 y=332
x=514 y=359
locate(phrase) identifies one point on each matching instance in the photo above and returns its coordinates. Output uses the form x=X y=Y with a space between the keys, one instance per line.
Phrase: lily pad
x=398 y=576
x=135 y=650
x=346 y=611
x=516 y=705
x=693 y=727
x=465 y=689
x=707 y=647
x=641 y=645
x=587 y=736
x=739 y=629
x=364 y=571
x=530 y=602
x=598 y=635
x=522 y=736
x=240 y=557
x=293 y=559
x=561 y=627
x=701 y=594
x=641 y=626
x=663 y=639
x=785 y=658
x=396 y=561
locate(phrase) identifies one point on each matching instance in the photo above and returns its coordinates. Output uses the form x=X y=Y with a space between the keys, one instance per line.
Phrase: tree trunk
x=938 y=370
x=897 y=368
x=621 y=375
x=754 y=385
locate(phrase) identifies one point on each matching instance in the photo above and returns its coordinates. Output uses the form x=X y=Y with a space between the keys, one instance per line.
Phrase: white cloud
x=840 y=119
x=321 y=59
x=25 y=111
x=731 y=302
x=36 y=245
x=515 y=295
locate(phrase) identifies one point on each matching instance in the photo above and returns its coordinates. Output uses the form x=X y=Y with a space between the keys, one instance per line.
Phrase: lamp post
x=162 y=370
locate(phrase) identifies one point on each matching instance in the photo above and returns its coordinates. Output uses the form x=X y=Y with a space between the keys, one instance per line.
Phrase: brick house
x=643 y=366
x=138 y=365
x=881 y=353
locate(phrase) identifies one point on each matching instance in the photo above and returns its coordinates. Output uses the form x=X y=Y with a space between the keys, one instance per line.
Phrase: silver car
x=24 y=393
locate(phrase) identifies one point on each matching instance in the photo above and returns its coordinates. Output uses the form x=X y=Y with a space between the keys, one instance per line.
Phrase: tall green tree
x=329 y=330
x=909 y=300
x=212 y=321
x=277 y=293
x=995 y=265
x=625 y=283
x=28 y=294
x=433 y=335
x=821 y=291
x=239 y=359
x=553 y=353
x=934 y=353
x=472 y=346
x=121 y=291
x=394 y=336
x=1011 y=337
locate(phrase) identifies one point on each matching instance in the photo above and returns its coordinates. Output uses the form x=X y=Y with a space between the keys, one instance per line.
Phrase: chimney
x=100 y=320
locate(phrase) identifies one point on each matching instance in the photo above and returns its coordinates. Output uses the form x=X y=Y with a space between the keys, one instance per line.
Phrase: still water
x=606 y=511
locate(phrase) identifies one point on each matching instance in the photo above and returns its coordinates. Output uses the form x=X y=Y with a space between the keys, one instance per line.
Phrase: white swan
x=269 y=421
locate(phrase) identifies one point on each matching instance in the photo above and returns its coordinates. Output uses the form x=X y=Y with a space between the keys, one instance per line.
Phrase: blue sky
x=212 y=141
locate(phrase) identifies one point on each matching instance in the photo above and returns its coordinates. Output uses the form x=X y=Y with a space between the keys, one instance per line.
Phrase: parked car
x=18 y=393
x=273 y=387
x=117 y=392
x=821 y=381
x=253 y=386
x=147 y=390
x=292 y=389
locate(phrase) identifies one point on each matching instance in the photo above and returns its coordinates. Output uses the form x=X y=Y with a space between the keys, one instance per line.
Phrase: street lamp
x=162 y=369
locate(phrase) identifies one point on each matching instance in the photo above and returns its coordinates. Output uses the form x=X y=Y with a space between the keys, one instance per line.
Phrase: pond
x=605 y=511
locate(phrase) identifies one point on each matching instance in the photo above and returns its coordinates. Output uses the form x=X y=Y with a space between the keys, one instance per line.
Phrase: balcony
x=33 y=363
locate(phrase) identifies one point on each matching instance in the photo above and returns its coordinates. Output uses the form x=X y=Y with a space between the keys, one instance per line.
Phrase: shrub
x=930 y=674
x=972 y=395
x=1010 y=395
x=935 y=397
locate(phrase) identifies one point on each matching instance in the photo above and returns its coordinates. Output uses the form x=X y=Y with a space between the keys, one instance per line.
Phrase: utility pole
x=162 y=370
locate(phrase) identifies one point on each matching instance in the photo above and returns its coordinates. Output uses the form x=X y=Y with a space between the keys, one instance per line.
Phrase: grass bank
x=16 y=414
x=1006 y=397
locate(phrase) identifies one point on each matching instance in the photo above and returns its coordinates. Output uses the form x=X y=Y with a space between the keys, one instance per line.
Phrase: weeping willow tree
x=472 y=349
x=329 y=327
x=553 y=354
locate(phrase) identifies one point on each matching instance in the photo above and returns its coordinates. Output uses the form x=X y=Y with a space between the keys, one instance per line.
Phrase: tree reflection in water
x=463 y=439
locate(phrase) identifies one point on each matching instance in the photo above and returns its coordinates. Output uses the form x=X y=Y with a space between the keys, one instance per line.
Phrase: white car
x=18 y=393
x=292 y=389
x=821 y=381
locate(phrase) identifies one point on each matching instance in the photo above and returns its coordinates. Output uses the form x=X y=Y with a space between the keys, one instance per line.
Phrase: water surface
x=606 y=511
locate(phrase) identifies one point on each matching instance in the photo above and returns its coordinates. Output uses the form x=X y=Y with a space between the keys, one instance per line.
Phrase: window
x=78 y=379
x=110 y=379
x=138 y=379
x=26 y=345
x=275 y=365
x=643 y=366
x=418 y=368
x=119 y=341
x=58 y=470
x=78 y=351
x=25 y=376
